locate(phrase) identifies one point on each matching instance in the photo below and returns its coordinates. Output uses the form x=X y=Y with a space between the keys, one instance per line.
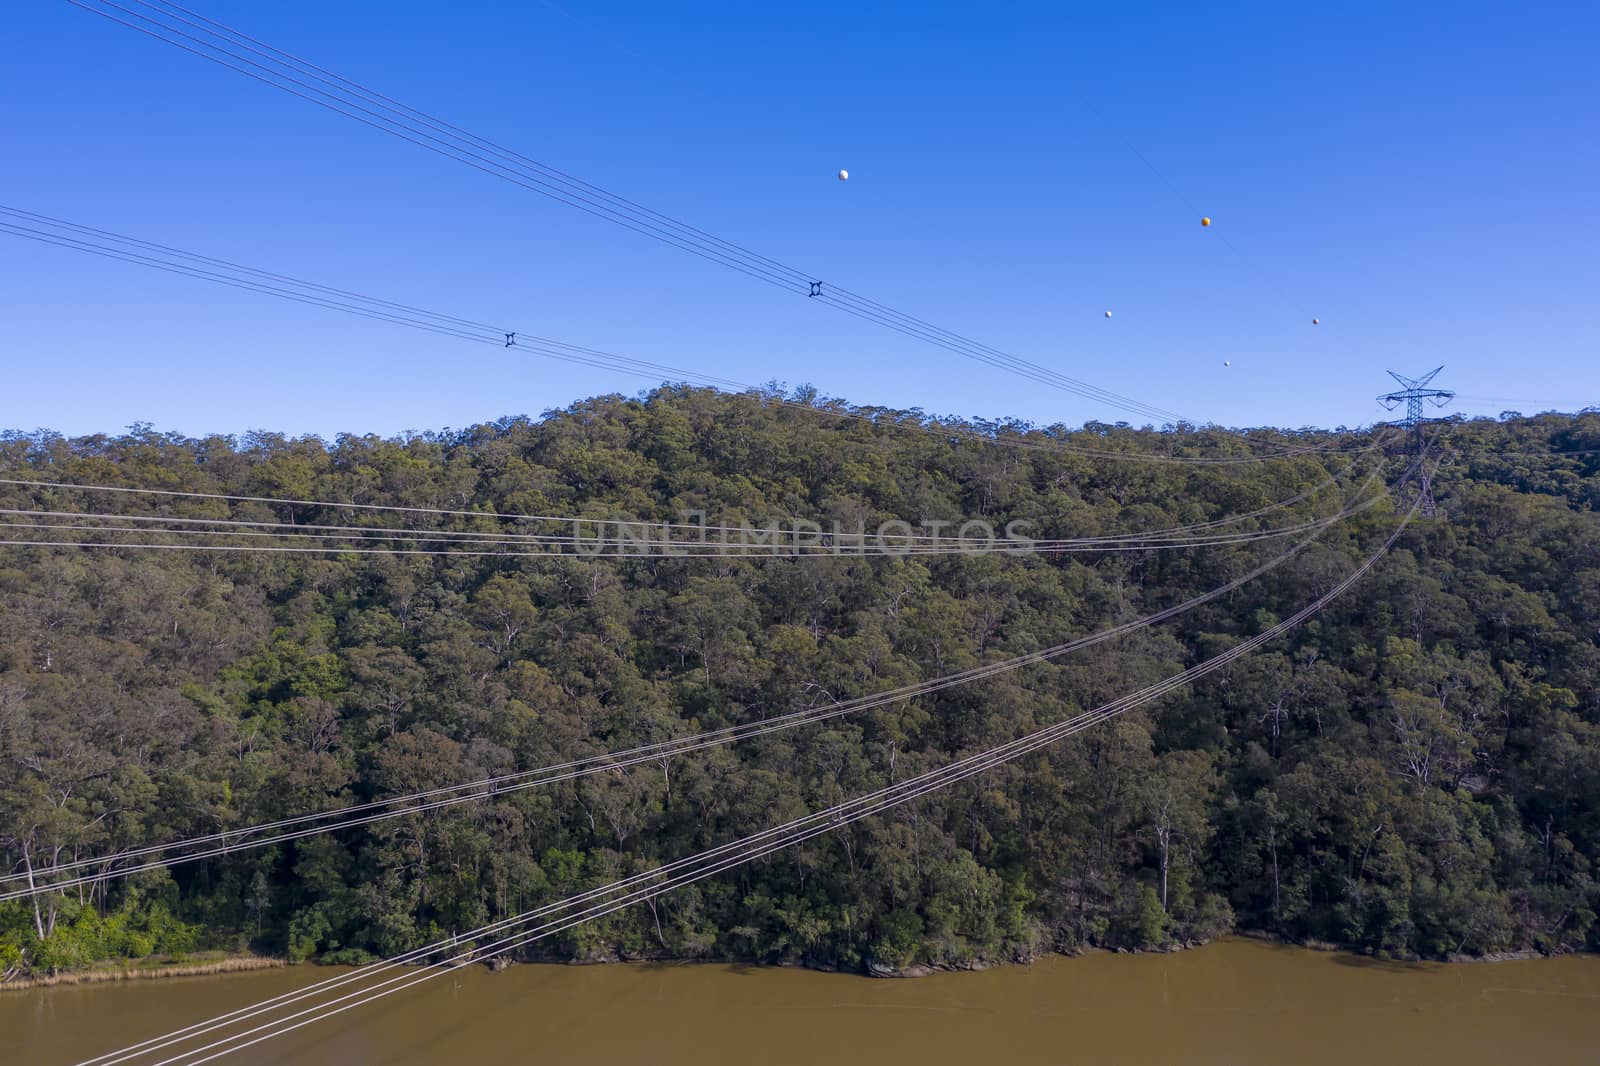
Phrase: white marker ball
x=844 y=175
x=1108 y=314
x=1226 y=363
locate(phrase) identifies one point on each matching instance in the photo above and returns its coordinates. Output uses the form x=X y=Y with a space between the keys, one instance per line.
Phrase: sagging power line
x=227 y=842
x=220 y=44
x=632 y=539
x=518 y=930
x=582 y=536
x=135 y=251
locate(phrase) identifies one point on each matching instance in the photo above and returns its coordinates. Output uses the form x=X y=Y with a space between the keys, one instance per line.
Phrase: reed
x=145 y=969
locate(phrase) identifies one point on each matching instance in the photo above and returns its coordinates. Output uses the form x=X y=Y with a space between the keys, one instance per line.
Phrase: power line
x=820 y=822
x=685 y=871
x=135 y=251
x=1477 y=458
x=763 y=546
x=1412 y=393
x=758 y=543
x=666 y=551
x=352 y=816
x=229 y=48
x=344 y=532
x=379 y=507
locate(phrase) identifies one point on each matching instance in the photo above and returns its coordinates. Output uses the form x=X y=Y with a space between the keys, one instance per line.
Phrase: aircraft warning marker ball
x=1226 y=363
x=1108 y=314
x=1316 y=321
x=1205 y=221
x=844 y=175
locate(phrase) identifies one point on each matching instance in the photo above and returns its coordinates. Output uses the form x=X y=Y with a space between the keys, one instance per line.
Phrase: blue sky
x=1421 y=180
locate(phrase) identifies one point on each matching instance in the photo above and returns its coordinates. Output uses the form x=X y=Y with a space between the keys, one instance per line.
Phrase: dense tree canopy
x=1414 y=771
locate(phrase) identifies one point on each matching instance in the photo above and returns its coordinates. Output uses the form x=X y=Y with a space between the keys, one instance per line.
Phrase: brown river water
x=1233 y=1003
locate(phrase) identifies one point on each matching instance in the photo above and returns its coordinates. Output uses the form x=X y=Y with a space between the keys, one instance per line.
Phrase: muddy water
x=1238 y=1003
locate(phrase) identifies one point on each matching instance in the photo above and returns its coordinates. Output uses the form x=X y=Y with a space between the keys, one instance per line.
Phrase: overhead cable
x=351 y=816
x=220 y=44
x=606 y=899
x=73 y=236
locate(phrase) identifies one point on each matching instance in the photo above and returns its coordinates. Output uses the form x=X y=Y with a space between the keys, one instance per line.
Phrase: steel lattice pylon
x=1412 y=392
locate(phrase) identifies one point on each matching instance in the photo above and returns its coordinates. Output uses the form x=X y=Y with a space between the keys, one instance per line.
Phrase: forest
x=1414 y=772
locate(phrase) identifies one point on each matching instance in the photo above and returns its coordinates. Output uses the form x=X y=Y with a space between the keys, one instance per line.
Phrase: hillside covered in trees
x=1416 y=771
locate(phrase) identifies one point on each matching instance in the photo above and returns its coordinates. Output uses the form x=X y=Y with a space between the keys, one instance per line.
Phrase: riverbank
x=611 y=955
x=1234 y=1002
x=205 y=964
x=151 y=967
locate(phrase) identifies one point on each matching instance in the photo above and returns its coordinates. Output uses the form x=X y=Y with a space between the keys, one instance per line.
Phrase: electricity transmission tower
x=1412 y=393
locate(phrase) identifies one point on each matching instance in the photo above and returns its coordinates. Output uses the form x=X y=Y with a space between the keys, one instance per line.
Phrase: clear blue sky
x=1421 y=179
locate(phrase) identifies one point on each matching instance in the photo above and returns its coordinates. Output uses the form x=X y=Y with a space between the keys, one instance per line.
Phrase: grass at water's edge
x=202 y=964
x=197 y=964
